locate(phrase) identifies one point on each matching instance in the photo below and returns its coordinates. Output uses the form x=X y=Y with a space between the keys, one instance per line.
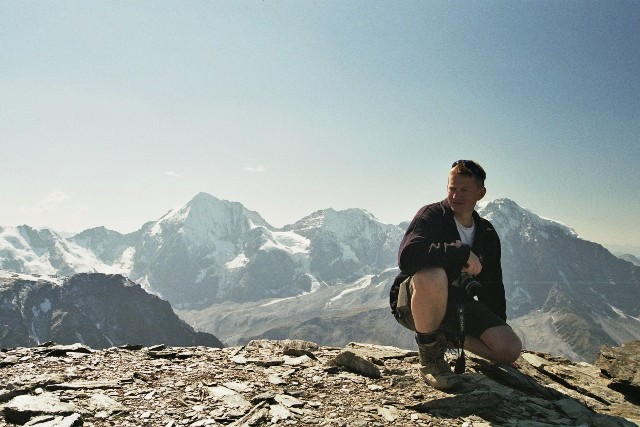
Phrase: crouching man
x=448 y=256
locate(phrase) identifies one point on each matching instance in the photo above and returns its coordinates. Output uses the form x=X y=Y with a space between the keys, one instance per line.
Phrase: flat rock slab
x=74 y=420
x=84 y=385
x=21 y=409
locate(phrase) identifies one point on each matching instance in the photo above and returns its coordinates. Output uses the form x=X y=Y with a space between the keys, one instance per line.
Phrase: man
x=446 y=243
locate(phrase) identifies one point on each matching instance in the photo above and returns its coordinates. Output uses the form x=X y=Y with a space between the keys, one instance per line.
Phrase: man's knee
x=513 y=349
x=508 y=351
x=504 y=344
x=430 y=279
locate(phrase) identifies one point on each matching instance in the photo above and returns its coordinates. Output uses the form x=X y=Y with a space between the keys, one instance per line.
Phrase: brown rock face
x=622 y=365
x=299 y=383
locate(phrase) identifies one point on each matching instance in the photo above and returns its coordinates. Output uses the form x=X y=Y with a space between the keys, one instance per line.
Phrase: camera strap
x=460 y=362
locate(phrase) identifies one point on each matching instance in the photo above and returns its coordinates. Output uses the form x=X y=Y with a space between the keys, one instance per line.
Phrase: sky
x=114 y=112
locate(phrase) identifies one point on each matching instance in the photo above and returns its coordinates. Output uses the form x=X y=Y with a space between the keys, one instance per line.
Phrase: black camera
x=467 y=282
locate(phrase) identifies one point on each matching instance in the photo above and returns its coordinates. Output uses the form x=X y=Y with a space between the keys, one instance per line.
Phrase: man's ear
x=483 y=192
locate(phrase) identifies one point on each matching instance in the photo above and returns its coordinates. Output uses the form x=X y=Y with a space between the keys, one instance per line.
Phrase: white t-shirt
x=466 y=234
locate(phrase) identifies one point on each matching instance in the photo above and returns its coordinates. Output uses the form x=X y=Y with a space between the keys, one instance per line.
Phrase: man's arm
x=425 y=245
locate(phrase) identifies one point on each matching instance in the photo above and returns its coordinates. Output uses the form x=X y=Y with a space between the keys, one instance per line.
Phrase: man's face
x=463 y=192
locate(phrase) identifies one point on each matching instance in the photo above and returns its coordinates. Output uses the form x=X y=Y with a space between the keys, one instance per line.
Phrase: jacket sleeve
x=425 y=245
x=492 y=292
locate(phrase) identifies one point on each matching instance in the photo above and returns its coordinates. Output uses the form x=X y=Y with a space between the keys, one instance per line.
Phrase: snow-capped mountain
x=346 y=245
x=232 y=274
x=538 y=254
x=191 y=253
x=563 y=291
x=110 y=247
x=212 y=250
x=564 y=294
x=42 y=251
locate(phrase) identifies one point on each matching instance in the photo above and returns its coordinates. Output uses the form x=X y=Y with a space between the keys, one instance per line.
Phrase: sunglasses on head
x=473 y=167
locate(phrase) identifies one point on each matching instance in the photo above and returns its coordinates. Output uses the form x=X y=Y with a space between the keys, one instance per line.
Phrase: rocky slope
x=300 y=383
x=96 y=309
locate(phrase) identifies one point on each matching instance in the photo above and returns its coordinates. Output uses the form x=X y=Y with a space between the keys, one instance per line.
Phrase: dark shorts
x=477 y=318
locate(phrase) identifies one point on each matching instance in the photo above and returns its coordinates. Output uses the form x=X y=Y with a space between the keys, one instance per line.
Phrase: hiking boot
x=434 y=368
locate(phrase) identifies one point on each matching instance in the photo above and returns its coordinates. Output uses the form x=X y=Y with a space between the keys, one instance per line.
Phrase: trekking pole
x=460 y=362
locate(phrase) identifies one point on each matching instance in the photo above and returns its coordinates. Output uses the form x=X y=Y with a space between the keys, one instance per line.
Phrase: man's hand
x=474 y=267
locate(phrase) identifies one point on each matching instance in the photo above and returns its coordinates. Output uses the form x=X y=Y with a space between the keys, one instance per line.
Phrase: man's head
x=465 y=186
x=469 y=168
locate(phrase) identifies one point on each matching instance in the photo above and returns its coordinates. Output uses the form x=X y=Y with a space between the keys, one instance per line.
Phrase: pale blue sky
x=114 y=112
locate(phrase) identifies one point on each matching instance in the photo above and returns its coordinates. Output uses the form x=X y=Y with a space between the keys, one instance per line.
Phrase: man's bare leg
x=428 y=307
x=498 y=344
x=429 y=299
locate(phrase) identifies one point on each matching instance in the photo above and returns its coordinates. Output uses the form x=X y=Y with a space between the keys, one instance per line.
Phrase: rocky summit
x=280 y=383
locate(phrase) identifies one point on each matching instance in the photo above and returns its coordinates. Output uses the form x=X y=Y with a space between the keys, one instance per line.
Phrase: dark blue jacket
x=430 y=242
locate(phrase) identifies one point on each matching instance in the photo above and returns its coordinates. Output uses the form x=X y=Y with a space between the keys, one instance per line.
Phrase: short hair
x=469 y=168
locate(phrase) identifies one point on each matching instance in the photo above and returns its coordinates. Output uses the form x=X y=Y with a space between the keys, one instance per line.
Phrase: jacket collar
x=448 y=214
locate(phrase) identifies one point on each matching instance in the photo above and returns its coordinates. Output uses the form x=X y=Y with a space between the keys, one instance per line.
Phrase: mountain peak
x=100 y=231
x=205 y=214
x=507 y=216
x=337 y=221
x=203 y=197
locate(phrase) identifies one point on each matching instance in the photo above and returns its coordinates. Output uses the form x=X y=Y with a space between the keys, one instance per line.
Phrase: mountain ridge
x=209 y=255
x=95 y=309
